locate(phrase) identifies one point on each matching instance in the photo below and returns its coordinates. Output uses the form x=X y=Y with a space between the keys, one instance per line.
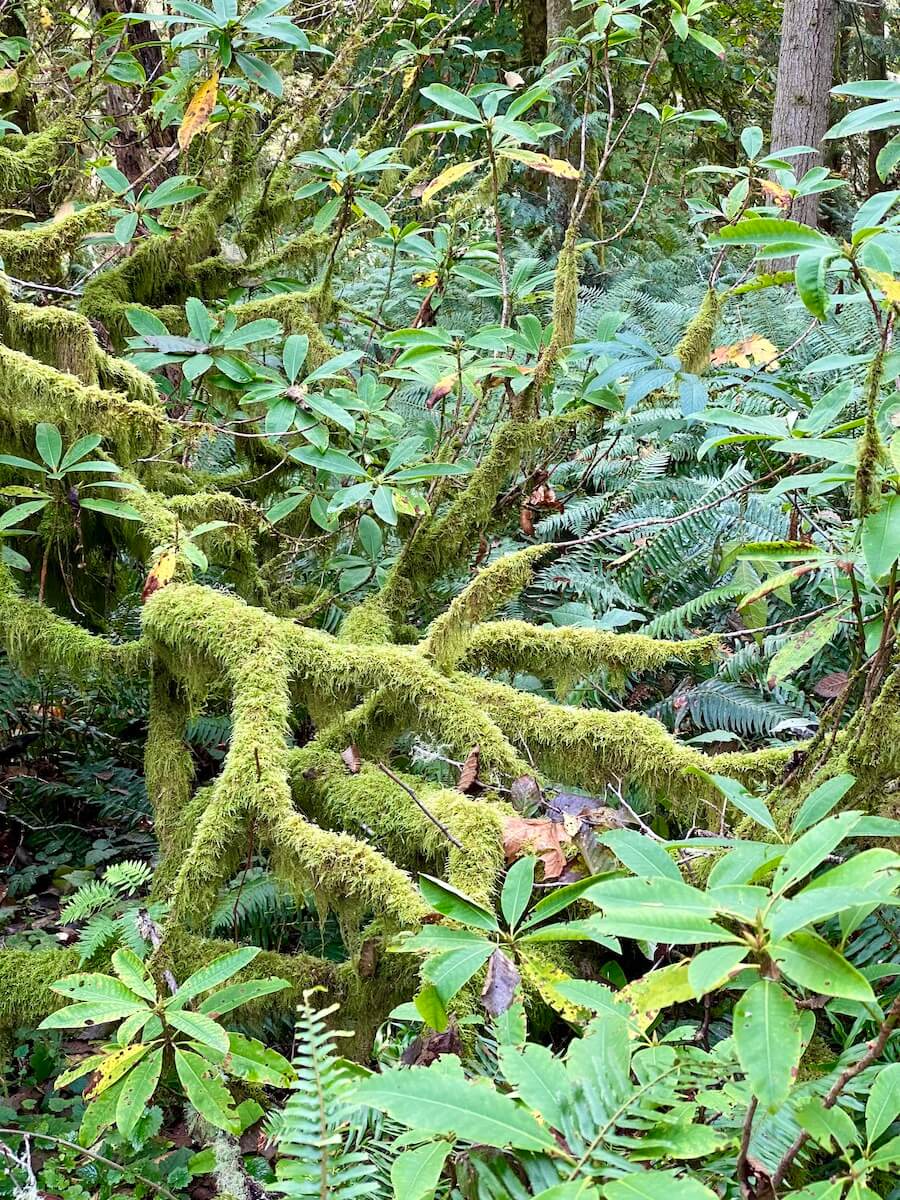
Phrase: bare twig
x=874 y=1050
x=415 y=799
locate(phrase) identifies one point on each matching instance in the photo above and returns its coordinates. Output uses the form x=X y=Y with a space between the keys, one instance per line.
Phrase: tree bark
x=805 y=68
x=534 y=32
x=560 y=192
x=876 y=62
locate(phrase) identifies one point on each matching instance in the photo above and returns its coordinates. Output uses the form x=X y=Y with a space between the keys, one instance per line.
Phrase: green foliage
x=158 y=1028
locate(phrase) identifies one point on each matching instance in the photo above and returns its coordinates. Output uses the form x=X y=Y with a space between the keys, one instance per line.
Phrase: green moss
x=41 y=254
x=37 y=639
x=371 y=802
x=168 y=766
x=31 y=392
x=695 y=346
x=32 y=159
x=444 y=541
x=491 y=588
x=590 y=748
x=25 y=978
x=872 y=453
x=570 y=653
x=565 y=291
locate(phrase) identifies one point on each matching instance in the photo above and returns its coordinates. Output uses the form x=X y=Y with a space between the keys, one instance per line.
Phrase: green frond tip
x=491 y=588
x=695 y=346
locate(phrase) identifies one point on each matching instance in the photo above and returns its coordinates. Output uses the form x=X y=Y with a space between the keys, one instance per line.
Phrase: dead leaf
x=442 y=388
x=526 y=523
x=351 y=758
x=468 y=776
x=198 y=111
x=513 y=79
x=831 y=685
x=501 y=984
x=537 y=836
x=161 y=573
x=776 y=193
x=423 y=1051
x=448 y=176
x=525 y=792
x=752 y=351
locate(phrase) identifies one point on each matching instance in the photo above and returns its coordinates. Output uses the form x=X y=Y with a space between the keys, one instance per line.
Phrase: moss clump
x=371 y=801
x=872 y=453
x=37 y=639
x=31 y=392
x=32 y=159
x=41 y=253
x=694 y=349
x=492 y=587
x=25 y=978
x=570 y=653
x=444 y=542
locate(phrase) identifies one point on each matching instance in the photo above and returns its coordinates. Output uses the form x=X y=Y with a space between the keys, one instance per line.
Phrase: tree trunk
x=560 y=192
x=876 y=62
x=534 y=32
x=805 y=67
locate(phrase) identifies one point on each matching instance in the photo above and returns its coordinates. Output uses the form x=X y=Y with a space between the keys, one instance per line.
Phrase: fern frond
x=312 y=1132
x=87 y=901
x=128 y=877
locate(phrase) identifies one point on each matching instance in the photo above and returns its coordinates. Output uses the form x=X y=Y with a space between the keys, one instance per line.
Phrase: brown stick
x=415 y=799
x=875 y=1049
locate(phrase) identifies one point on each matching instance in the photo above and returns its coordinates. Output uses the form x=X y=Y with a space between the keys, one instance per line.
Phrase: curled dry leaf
x=537 y=836
x=468 y=776
x=501 y=984
x=161 y=573
x=351 y=758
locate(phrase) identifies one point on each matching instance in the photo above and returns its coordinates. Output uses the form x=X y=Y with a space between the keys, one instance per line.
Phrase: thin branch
x=874 y=1051
x=415 y=799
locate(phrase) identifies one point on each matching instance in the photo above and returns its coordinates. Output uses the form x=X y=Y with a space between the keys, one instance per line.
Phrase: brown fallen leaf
x=525 y=792
x=468 y=776
x=537 y=836
x=425 y=1050
x=351 y=758
x=831 y=685
x=500 y=986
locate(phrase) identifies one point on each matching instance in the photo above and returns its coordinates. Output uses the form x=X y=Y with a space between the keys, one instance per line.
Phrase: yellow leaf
x=161 y=573
x=9 y=80
x=45 y=18
x=451 y=174
x=754 y=350
x=776 y=193
x=886 y=284
x=198 y=111
x=113 y=1067
x=543 y=162
x=658 y=989
x=425 y=279
x=409 y=76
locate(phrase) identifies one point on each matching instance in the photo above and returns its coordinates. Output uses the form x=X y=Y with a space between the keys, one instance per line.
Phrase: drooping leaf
x=198 y=110
x=432 y=1101
x=768 y=1041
